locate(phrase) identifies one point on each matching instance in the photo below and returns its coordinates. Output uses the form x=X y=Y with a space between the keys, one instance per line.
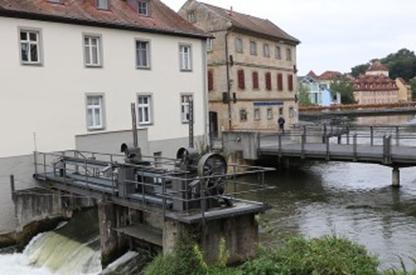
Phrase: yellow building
x=405 y=91
x=251 y=69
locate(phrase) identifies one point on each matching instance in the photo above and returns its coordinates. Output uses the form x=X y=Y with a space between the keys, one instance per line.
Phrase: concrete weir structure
x=153 y=202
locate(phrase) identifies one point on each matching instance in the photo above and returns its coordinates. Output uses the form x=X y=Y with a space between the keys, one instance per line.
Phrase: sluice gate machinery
x=189 y=188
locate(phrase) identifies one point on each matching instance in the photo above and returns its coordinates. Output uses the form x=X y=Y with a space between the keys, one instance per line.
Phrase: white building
x=69 y=71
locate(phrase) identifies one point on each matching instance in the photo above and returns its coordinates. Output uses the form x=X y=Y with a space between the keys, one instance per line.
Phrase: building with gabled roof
x=375 y=86
x=71 y=69
x=251 y=69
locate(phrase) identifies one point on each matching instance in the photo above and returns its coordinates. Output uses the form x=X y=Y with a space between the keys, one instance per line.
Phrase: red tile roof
x=121 y=15
x=377 y=66
x=329 y=75
x=372 y=83
x=312 y=74
x=253 y=24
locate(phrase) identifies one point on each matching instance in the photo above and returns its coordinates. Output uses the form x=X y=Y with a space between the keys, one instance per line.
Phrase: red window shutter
x=210 y=80
x=255 y=80
x=241 y=80
x=268 y=81
x=279 y=82
x=290 y=82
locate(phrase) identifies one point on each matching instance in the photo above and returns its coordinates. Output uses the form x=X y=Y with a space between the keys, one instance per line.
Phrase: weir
x=150 y=202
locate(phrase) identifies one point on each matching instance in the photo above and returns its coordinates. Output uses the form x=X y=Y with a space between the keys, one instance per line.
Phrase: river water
x=347 y=199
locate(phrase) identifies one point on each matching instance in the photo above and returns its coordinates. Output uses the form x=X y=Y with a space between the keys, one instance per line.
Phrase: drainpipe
x=205 y=89
x=227 y=64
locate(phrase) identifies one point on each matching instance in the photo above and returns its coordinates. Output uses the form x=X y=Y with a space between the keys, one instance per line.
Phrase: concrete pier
x=113 y=245
x=396 y=177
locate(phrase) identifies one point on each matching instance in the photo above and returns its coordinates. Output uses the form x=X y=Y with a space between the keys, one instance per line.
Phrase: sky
x=335 y=34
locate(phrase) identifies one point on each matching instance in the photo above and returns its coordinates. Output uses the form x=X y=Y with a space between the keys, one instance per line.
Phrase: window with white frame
x=210 y=44
x=253 y=48
x=142 y=54
x=185 y=55
x=143 y=7
x=191 y=16
x=185 y=108
x=289 y=54
x=266 y=50
x=257 y=114
x=239 y=45
x=92 y=48
x=102 y=4
x=95 y=112
x=270 y=113
x=243 y=115
x=278 y=52
x=30 y=47
x=292 y=112
x=144 y=106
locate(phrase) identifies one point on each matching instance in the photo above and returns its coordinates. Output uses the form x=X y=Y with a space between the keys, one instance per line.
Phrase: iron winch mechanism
x=196 y=176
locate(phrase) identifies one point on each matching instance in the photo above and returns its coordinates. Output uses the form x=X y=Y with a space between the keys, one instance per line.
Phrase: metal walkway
x=386 y=145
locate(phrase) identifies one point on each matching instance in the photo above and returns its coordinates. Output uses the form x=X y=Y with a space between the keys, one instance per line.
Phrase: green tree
x=401 y=64
x=359 y=70
x=345 y=87
x=304 y=99
x=413 y=87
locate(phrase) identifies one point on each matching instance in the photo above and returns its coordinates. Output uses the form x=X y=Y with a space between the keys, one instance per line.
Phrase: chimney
x=231 y=11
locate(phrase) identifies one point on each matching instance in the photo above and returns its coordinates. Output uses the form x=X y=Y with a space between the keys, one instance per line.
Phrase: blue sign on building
x=268 y=103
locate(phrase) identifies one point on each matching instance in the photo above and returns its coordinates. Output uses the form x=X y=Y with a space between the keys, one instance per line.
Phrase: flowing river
x=347 y=199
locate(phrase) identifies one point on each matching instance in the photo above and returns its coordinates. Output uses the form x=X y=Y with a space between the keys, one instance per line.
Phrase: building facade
x=318 y=88
x=251 y=69
x=375 y=86
x=405 y=91
x=71 y=69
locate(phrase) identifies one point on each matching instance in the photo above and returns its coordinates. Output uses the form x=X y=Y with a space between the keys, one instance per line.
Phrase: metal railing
x=154 y=184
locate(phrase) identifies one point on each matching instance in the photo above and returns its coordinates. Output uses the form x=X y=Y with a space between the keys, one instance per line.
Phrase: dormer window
x=143 y=7
x=103 y=4
x=56 y=1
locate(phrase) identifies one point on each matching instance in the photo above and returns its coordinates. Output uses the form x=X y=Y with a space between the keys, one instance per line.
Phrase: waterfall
x=70 y=250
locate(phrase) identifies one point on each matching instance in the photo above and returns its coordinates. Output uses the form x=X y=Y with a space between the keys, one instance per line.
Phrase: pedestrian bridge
x=393 y=146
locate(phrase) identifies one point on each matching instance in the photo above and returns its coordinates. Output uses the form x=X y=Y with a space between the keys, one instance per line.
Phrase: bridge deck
x=402 y=155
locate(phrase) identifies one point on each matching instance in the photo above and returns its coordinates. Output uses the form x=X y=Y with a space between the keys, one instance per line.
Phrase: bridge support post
x=396 y=177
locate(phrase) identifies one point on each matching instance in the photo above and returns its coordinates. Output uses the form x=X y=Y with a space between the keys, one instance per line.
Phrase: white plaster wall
x=49 y=100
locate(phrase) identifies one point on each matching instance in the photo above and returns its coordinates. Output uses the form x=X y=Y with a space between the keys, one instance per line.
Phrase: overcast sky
x=335 y=34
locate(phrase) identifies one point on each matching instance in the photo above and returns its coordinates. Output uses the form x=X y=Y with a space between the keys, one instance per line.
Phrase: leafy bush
x=326 y=256
x=185 y=259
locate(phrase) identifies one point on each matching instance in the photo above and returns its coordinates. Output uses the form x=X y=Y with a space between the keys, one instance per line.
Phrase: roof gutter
x=75 y=21
x=293 y=42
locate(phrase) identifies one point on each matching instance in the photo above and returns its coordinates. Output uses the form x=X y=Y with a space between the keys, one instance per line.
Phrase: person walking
x=281 y=122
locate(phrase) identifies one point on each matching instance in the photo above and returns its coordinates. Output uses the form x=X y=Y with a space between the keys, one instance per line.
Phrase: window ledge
x=143 y=68
x=94 y=66
x=38 y=64
x=98 y=129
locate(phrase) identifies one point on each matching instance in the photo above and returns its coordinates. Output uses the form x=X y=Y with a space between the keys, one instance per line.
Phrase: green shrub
x=324 y=256
x=186 y=259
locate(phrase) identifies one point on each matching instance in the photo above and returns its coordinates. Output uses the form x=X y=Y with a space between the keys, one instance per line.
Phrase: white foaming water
x=19 y=264
x=53 y=254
